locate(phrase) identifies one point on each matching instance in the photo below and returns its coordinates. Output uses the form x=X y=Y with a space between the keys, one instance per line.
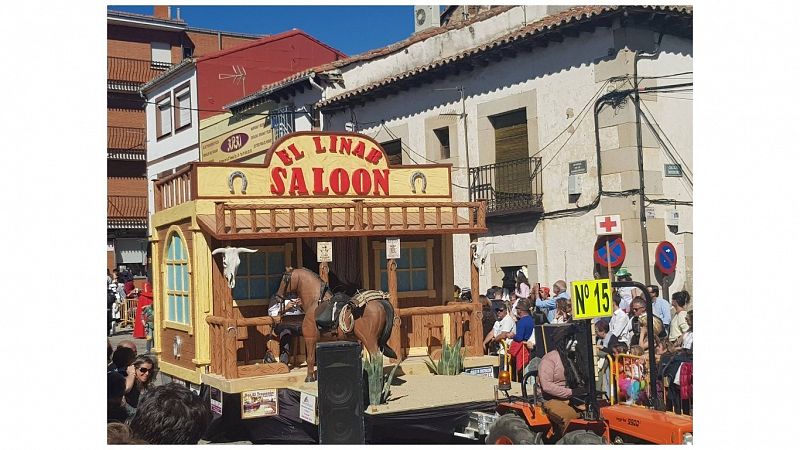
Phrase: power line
x=266 y=114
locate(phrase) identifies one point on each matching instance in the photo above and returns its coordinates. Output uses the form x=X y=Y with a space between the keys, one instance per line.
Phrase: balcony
x=511 y=187
x=125 y=74
x=127 y=143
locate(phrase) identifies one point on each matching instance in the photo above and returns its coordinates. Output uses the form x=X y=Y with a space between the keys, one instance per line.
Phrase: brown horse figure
x=372 y=325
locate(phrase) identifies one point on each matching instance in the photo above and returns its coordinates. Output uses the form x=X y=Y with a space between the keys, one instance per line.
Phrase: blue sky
x=350 y=29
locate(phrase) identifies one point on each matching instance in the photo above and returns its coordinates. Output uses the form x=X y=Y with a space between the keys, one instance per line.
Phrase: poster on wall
x=216 y=401
x=393 y=248
x=324 y=251
x=259 y=403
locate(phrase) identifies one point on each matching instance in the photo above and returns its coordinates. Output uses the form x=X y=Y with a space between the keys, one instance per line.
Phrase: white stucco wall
x=176 y=149
x=564 y=78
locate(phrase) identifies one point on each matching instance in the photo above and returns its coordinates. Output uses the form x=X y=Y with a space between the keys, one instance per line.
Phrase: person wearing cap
x=626 y=293
x=504 y=323
x=518 y=349
x=548 y=305
x=561 y=377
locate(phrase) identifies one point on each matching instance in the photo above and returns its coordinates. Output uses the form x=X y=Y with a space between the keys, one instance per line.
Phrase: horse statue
x=371 y=323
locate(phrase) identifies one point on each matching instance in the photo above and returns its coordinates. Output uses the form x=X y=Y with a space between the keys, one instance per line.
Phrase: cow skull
x=479 y=254
x=230 y=262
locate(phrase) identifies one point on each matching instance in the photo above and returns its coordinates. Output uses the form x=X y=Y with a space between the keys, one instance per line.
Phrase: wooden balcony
x=357 y=218
x=510 y=187
x=174 y=189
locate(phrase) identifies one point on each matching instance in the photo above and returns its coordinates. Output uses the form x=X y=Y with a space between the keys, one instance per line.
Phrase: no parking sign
x=666 y=257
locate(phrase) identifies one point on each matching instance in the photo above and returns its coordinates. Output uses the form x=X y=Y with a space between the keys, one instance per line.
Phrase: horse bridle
x=286 y=279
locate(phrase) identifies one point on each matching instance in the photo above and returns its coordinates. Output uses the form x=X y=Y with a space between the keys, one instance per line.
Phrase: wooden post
x=323 y=271
x=475 y=322
x=394 y=339
x=223 y=307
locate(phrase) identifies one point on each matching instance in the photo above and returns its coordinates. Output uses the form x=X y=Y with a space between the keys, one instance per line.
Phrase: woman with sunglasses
x=145 y=372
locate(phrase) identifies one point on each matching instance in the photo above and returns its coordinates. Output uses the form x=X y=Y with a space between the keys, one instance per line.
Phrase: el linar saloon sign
x=324 y=164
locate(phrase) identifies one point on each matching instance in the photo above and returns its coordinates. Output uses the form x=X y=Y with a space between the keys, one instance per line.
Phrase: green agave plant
x=379 y=384
x=451 y=361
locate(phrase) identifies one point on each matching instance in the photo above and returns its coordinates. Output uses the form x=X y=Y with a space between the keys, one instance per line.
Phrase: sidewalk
x=127 y=334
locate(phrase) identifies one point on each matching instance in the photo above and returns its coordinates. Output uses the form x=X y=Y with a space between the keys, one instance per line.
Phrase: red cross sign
x=605 y=225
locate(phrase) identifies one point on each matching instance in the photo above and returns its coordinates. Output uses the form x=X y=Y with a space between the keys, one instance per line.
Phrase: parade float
x=226 y=237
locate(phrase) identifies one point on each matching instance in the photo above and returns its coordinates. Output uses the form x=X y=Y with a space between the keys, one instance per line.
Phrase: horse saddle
x=341 y=310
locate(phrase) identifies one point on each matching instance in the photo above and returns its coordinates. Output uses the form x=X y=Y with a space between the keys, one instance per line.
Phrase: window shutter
x=511 y=144
x=185 y=113
x=165 y=118
x=510 y=136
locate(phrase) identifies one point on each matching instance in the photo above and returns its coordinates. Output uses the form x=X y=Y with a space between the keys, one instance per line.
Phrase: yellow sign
x=224 y=142
x=325 y=165
x=591 y=298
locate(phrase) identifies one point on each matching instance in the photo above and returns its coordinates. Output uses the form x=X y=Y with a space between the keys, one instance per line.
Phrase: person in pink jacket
x=558 y=384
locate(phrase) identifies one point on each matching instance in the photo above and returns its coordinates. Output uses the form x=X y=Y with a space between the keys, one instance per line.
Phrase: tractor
x=602 y=420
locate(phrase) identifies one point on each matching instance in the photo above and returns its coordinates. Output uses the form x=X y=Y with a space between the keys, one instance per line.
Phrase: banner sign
x=591 y=298
x=327 y=165
x=225 y=143
x=308 y=408
x=216 y=401
x=259 y=403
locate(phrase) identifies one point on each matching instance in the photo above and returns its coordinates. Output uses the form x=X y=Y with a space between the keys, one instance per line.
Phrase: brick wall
x=134 y=43
x=205 y=43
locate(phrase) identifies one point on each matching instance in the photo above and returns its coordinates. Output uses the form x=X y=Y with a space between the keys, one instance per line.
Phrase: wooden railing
x=319 y=220
x=223 y=339
x=174 y=189
x=465 y=323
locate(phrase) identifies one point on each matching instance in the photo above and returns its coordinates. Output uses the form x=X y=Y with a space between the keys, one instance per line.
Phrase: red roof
x=268 y=39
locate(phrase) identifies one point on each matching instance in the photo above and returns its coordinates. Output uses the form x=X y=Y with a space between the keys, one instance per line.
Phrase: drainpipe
x=640 y=154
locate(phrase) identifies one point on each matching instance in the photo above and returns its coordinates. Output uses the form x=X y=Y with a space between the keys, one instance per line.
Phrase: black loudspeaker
x=544 y=338
x=340 y=393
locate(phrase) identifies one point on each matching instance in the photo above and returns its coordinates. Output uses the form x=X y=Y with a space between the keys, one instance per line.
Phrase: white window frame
x=182 y=111
x=163 y=103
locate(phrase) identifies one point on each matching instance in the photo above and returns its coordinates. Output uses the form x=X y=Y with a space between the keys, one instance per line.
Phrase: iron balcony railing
x=508 y=187
x=126 y=72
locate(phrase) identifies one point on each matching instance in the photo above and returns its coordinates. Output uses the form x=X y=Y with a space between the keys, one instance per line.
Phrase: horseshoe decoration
x=241 y=175
x=413 y=180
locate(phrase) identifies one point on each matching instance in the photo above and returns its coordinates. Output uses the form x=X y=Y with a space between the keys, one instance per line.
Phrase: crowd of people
x=515 y=312
x=139 y=412
x=120 y=291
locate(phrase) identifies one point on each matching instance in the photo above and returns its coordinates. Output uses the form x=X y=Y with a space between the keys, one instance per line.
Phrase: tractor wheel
x=581 y=437
x=511 y=429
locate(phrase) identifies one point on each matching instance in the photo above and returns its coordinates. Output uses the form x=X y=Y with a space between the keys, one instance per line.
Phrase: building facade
x=552 y=115
x=140 y=48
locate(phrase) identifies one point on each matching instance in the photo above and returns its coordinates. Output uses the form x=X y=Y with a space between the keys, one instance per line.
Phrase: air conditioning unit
x=574 y=185
x=672 y=218
x=426 y=16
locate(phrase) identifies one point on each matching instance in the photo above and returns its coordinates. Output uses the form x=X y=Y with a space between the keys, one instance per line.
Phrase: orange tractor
x=523 y=421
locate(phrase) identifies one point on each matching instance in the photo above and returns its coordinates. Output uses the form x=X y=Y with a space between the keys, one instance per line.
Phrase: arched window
x=177 y=281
